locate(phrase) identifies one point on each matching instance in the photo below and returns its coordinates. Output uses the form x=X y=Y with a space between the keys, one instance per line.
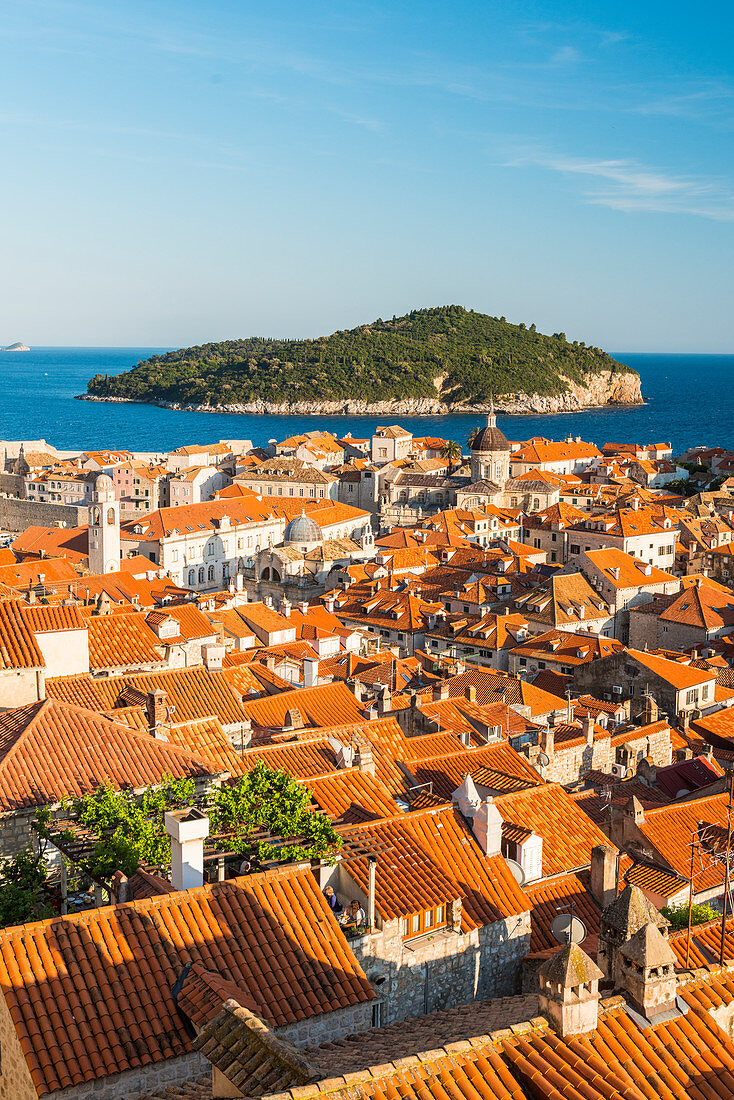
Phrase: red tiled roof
x=51 y=750
x=440 y=839
x=91 y=994
x=194 y=692
x=550 y=812
x=319 y=707
x=553 y=897
x=18 y=647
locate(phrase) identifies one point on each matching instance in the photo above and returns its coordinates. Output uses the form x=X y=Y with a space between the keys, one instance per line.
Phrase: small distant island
x=439 y=360
x=16 y=347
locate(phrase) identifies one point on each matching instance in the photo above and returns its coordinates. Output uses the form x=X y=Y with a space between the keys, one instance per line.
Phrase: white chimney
x=213 y=654
x=486 y=820
x=188 y=829
x=310 y=672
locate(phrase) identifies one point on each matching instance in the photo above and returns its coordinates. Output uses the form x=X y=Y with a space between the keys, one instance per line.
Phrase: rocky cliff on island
x=440 y=360
x=16 y=347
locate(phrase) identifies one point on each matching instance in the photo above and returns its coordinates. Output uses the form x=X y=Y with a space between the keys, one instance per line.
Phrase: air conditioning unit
x=617 y=689
x=619 y=770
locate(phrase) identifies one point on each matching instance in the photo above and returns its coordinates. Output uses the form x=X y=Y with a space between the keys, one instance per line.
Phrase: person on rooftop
x=333 y=901
x=355 y=916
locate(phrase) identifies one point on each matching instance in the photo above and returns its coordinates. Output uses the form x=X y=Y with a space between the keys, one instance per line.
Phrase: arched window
x=96 y=516
x=192 y=577
x=265 y=575
x=211 y=572
x=201 y=574
x=225 y=571
x=110 y=515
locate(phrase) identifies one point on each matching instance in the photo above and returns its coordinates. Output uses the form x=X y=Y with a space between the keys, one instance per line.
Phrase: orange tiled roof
x=122 y=641
x=18 y=647
x=669 y=830
x=446 y=773
x=270 y=934
x=550 y=812
x=47 y=618
x=194 y=692
x=550 y=896
x=678 y=675
x=352 y=796
x=326 y=705
x=441 y=839
x=51 y=750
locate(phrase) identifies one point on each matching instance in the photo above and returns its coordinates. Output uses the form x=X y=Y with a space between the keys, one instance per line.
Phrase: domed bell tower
x=104 y=527
x=490 y=453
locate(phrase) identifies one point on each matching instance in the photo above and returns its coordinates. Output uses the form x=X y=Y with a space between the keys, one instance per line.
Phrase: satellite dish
x=568 y=929
x=543 y=759
x=517 y=871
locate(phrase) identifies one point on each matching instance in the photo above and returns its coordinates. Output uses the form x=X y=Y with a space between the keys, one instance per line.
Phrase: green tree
x=678 y=915
x=451 y=452
x=129 y=828
x=21 y=888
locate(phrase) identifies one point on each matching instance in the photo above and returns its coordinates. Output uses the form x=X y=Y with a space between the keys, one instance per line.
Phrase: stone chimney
x=647 y=971
x=604 y=872
x=647 y=772
x=188 y=829
x=440 y=691
x=650 y=710
x=329 y=601
x=155 y=712
x=285 y=608
x=619 y=922
x=587 y=728
x=363 y=758
x=569 y=991
x=470 y=693
x=548 y=741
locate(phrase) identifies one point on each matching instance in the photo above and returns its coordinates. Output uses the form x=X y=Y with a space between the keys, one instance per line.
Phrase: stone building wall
x=17 y=515
x=569 y=764
x=327 y=1026
x=443 y=970
x=137 y=1083
x=16 y=1082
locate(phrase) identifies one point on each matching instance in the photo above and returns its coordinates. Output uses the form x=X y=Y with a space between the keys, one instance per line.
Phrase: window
x=574 y=548
x=377 y=1014
x=192 y=577
x=201 y=574
x=211 y=572
x=419 y=923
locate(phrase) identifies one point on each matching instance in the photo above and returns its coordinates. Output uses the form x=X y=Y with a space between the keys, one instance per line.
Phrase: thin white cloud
x=630 y=187
x=565 y=55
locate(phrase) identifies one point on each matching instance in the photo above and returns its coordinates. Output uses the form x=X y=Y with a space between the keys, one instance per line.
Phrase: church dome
x=490 y=438
x=302 y=529
x=104 y=483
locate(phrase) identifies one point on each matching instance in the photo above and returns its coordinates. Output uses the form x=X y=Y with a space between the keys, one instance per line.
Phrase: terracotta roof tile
x=568 y=834
x=50 y=750
x=272 y=935
x=18 y=647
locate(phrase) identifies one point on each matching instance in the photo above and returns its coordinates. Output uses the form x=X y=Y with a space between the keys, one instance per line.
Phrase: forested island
x=438 y=360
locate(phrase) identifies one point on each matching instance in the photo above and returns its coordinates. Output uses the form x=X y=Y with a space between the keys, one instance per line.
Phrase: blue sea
x=690 y=400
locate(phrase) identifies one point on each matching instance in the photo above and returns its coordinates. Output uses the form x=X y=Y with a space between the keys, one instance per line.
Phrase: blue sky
x=177 y=172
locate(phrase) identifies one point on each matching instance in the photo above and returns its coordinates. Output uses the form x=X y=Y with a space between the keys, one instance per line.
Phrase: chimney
x=647 y=971
x=440 y=691
x=155 y=711
x=188 y=829
x=310 y=672
x=303 y=607
x=470 y=693
x=329 y=601
x=213 y=654
x=587 y=727
x=569 y=991
x=604 y=870
x=285 y=608
x=485 y=818
x=363 y=759
x=548 y=741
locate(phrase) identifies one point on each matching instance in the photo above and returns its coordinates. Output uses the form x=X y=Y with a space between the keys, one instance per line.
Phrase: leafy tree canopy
x=130 y=827
x=678 y=915
x=447 y=352
x=21 y=880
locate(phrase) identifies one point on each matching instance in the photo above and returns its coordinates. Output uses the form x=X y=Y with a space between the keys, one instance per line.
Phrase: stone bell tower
x=104 y=527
